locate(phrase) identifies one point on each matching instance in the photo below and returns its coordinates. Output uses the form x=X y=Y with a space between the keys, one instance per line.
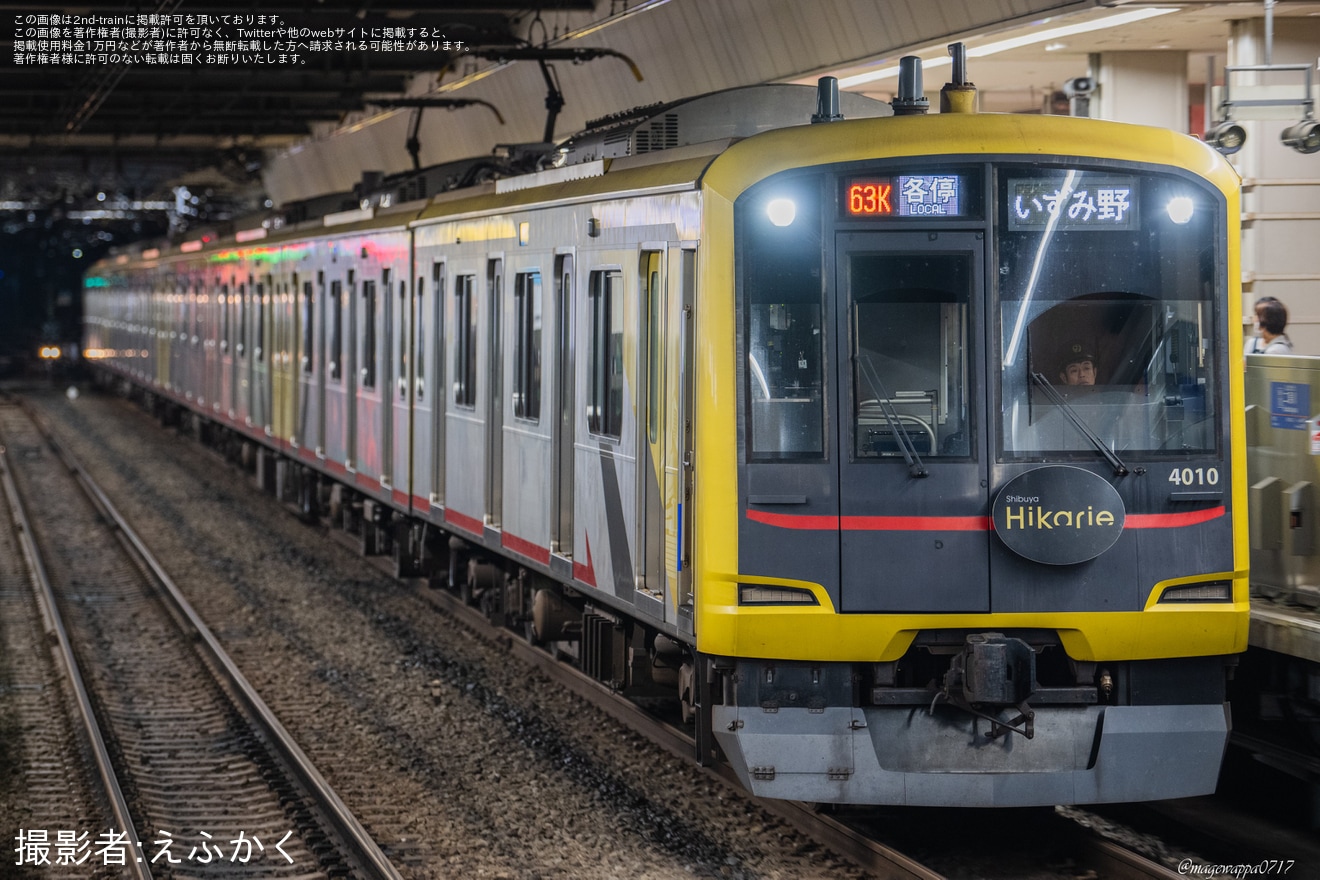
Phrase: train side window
x=368 y=371
x=402 y=337
x=605 y=382
x=242 y=319
x=527 y=346
x=424 y=322
x=419 y=330
x=224 y=317
x=261 y=322
x=336 y=329
x=653 y=296
x=465 y=342
x=308 y=319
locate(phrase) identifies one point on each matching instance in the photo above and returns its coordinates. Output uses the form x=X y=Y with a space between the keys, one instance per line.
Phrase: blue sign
x=1290 y=405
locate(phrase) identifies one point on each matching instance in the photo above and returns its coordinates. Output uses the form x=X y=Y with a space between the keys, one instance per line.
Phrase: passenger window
x=308 y=319
x=261 y=321
x=653 y=295
x=369 y=334
x=527 y=346
x=336 y=329
x=419 y=332
x=465 y=342
x=605 y=391
x=242 y=320
x=224 y=317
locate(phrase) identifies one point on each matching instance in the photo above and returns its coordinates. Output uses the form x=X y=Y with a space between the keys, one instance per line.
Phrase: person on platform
x=1271 y=318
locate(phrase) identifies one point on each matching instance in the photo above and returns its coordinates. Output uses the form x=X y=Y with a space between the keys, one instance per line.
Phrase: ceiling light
x=1031 y=39
x=1227 y=137
x=1304 y=137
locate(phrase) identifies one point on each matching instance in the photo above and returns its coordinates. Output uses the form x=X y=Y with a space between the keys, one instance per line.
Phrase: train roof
x=675 y=140
x=750 y=149
x=728 y=114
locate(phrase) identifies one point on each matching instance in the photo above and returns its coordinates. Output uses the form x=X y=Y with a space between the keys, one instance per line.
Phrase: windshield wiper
x=1054 y=397
x=905 y=444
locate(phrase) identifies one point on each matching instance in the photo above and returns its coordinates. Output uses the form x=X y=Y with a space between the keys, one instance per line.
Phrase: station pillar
x=1146 y=88
x=1280 y=186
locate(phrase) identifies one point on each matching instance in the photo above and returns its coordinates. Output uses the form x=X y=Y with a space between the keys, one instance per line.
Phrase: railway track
x=195 y=769
x=903 y=852
x=855 y=835
x=49 y=780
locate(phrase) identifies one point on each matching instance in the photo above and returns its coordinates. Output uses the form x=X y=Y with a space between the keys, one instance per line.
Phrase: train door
x=427 y=454
x=465 y=446
x=242 y=374
x=495 y=393
x=284 y=321
x=561 y=503
x=652 y=462
x=912 y=479
x=609 y=506
x=213 y=310
x=178 y=337
x=370 y=428
x=159 y=365
x=291 y=362
x=352 y=329
x=336 y=415
x=227 y=395
x=401 y=335
x=685 y=338
x=196 y=335
x=309 y=362
x=339 y=373
x=262 y=343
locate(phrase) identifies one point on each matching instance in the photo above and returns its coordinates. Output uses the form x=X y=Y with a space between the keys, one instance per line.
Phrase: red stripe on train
x=1173 y=520
x=872 y=523
x=958 y=523
x=585 y=573
x=463 y=521
x=523 y=547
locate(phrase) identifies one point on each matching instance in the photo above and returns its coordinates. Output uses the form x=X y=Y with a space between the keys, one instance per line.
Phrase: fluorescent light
x=1068 y=31
x=1044 y=36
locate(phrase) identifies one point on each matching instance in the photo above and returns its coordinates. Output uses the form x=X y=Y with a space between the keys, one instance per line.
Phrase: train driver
x=1078 y=367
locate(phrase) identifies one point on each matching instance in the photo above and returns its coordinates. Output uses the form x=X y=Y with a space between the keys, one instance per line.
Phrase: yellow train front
x=903 y=452
x=930 y=570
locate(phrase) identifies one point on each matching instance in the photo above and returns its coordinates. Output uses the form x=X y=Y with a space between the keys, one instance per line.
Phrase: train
x=757 y=407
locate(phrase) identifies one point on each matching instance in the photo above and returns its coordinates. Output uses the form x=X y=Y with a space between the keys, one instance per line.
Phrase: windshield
x=1106 y=282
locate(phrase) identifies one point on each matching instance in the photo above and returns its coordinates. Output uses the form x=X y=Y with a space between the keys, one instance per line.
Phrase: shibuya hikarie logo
x=1058 y=515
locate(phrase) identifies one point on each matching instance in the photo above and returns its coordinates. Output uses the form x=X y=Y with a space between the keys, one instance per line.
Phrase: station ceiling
x=84 y=133
x=119 y=150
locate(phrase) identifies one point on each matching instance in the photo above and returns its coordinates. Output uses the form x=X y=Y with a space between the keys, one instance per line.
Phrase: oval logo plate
x=1058 y=515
